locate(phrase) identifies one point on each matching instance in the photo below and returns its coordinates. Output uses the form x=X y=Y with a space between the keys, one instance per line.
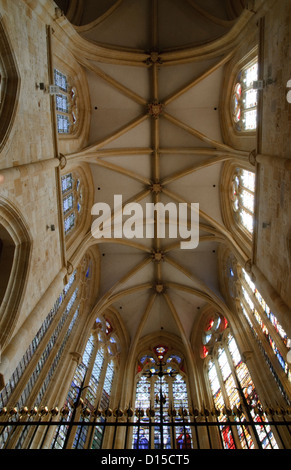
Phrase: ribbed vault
x=155 y=136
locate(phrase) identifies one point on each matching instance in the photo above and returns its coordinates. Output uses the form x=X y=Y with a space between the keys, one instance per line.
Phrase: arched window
x=243 y=198
x=161 y=394
x=72 y=193
x=231 y=386
x=66 y=104
x=244 y=99
x=95 y=375
x=268 y=332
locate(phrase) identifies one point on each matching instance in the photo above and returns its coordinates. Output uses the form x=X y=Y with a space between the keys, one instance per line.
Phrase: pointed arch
x=9 y=85
x=16 y=244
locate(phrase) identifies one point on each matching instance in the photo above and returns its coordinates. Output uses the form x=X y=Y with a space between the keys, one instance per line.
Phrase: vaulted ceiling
x=155 y=135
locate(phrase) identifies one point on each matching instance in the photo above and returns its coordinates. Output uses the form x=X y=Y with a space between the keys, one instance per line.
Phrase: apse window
x=245 y=98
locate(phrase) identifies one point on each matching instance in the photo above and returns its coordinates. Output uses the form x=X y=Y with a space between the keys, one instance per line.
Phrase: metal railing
x=38 y=428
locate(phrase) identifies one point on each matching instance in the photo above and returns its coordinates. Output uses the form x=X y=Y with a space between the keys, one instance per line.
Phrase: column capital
x=252 y=157
x=62 y=160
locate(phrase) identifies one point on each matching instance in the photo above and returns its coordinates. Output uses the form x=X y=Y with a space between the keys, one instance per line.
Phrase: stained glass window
x=72 y=198
x=62 y=103
x=159 y=393
x=97 y=387
x=60 y=80
x=255 y=307
x=65 y=102
x=69 y=222
x=243 y=198
x=37 y=340
x=227 y=388
x=245 y=98
x=63 y=124
x=67 y=182
x=45 y=354
x=214 y=327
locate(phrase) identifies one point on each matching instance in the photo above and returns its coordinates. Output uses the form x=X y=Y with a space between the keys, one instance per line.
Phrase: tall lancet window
x=231 y=386
x=243 y=198
x=268 y=332
x=95 y=376
x=30 y=383
x=161 y=395
x=245 y=98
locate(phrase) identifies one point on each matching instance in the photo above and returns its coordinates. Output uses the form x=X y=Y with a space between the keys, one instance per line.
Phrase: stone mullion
x=83 y=395
x=90 y=434
x=108 y=441
x=234 y=374
x=171 y=406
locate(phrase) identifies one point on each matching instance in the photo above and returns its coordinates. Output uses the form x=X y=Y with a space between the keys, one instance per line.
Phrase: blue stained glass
x=67 y=182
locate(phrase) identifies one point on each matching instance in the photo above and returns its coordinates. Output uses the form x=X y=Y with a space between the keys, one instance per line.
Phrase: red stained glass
x=204 y=351
x=210 y=325
x=227 y=438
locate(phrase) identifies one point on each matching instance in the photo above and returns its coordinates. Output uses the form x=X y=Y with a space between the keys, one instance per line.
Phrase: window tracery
x=245 y=97
x=156 y=394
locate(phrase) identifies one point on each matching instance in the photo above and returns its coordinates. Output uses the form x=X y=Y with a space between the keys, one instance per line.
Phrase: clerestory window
x=245 y=98
x=243 y=198
x=72 y=200
x=66 y=107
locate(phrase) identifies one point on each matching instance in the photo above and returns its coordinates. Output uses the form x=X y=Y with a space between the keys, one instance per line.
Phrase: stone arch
x=9 y=85
x=14 y=262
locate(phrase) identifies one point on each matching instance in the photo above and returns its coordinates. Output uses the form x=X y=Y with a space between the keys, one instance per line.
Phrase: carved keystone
x=155 y=109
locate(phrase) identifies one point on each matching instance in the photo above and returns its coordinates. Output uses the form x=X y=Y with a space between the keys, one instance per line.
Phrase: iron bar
x=156 y=423
x=121 y=424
